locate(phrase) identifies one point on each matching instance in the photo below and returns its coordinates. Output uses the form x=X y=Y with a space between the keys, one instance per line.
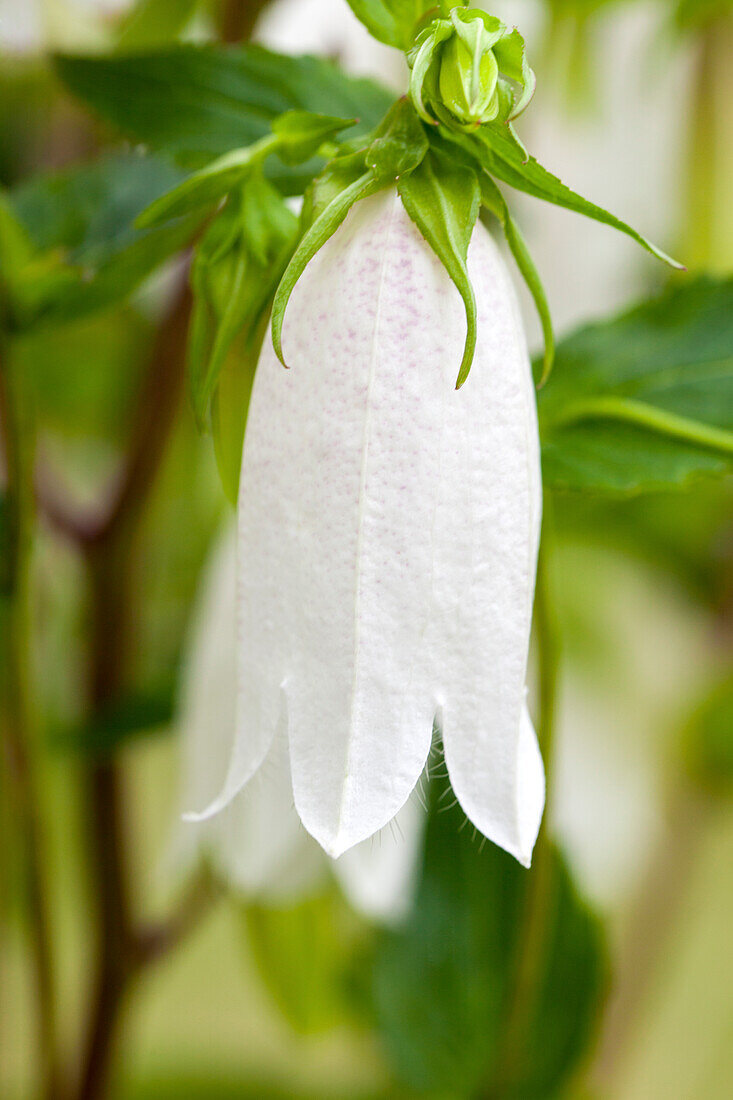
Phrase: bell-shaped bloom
x=258 y=844
x=388 y=534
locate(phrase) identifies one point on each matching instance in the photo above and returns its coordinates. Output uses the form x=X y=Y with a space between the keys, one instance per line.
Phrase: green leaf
x=302 y=953
x=442 y=198
x=399 y=143
x=494 y=201
x=501 y=154
x=695 y=14
x=392 y=21
x=644 y=401
x=154 y=23
x=134 y=715
x=324 y=227
x=709 y=740
x=199 y=102
x=83 y=220
x=444 y=983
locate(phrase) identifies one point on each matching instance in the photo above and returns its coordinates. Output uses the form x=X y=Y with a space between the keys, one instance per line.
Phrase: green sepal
x=499 y=152
x=209 y=185
x=421 y=59
x=494 y=201
x=511 y=55
x=399 y=143
x=442 y=198
x=321 y=229
x=339 y=173
x=234 y=274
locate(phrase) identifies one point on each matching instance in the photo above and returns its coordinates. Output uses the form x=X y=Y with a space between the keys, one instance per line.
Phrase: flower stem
x=19 y=726
x=531 y=943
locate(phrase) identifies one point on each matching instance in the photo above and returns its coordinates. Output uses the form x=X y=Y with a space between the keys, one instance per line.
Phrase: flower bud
x=468 y=77
x=469 y=70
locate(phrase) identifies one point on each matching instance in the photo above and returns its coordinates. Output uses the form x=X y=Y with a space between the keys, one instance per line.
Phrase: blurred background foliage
x=622 y=989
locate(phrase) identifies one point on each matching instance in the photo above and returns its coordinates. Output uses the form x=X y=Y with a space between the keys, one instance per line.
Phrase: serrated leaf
x=399 y=143
x=494 y=201
x=644 y=401
x=315 y=236
x=443 y=984
x=198 y=102
x=442 y=198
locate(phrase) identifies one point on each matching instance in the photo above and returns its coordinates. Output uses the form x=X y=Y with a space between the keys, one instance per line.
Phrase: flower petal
x=486 y=546
x=388 y=533
x=379 y=876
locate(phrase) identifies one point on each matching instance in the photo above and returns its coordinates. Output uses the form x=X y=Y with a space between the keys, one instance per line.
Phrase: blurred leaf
x=709 y=740
x=5 y=548
x=84 y=376
x=154 y=23
x=86 y=215
x=644 y=401
x=133 y=715
x=443 y=983
x=198 y=102
x=303 y=954
x=392 y=21
x=692 y=544
x=692 y=14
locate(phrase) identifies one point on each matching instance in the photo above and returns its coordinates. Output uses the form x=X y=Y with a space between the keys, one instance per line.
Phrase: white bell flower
x=388 y=534
x=257 y=844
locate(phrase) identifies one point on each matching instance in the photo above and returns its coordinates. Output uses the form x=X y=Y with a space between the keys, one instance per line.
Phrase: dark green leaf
x=644 y=401
x=85 y=216
x=399 y=143
x=444 y=983
x=442 y=198
x=134 y=715
x=199 y=102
